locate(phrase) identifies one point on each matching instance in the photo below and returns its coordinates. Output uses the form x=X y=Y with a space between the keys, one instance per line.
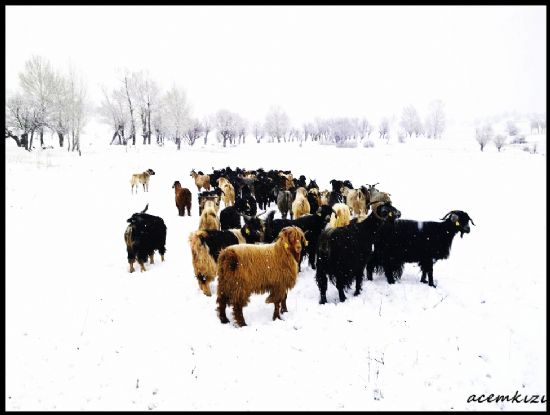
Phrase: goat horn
x=446 y=216
x=471 y=220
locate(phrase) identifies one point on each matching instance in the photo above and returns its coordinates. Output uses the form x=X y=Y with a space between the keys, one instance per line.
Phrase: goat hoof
x=356 y=293
x=323 y=301
x=424 y=281
x=433 y=285
x=224 y=320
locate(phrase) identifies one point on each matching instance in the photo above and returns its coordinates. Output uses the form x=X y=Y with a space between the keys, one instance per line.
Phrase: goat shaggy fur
x=340 y=216
x=183 y=199
x=201 y=180
x=206 y=247
x=247 y=269
x=209 y=220
x=300 y=206
x=228 y=190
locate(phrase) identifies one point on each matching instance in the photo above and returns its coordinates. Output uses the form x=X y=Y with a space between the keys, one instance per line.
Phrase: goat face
x=151 y=172
x=324 y=211
x=176 y=185
x=387 y=212
x=461 y=220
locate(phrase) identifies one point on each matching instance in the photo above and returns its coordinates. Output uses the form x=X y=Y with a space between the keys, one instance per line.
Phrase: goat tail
x=146 y=207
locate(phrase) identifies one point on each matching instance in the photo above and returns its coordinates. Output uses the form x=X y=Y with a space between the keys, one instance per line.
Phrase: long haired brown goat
x=270 y=268
x=183 y=199
x=201 y=180
x=209 y=220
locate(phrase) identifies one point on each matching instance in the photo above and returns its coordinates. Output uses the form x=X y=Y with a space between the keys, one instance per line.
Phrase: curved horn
x=471 y=220
x=447 y=215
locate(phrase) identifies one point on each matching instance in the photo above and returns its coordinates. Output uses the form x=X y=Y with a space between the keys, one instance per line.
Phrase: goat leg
x=238 y=315
x=222 y=304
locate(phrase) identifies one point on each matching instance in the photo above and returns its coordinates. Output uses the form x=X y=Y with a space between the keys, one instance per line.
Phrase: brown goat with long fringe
x=270 y=268
x=209 y=219
x=228 y=190
x=300 y=206
x=183 y=199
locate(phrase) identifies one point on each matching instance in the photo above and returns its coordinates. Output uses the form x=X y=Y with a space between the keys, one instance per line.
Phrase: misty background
x=320 y=61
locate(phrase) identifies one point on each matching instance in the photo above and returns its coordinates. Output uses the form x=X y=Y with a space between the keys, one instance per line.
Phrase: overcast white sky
x=312 y=61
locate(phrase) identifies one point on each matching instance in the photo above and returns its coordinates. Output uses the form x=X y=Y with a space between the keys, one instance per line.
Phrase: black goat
x=230 y=218
x=343 y=252
x=311 y=224
x=144 y=234
x=418 y=242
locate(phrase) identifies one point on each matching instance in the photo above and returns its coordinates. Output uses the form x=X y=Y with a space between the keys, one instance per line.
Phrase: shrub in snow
x=346 y=144
x=368 y=143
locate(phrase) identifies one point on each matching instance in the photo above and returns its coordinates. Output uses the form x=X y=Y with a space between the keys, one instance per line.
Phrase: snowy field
x=82 y=333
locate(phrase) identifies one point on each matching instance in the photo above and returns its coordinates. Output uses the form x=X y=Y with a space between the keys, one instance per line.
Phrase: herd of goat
x=341 y=231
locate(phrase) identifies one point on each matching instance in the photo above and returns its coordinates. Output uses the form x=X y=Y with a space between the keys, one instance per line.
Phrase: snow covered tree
x=512 y=128
x=147 y=95
x=258 y=131
x=227 y=125
x=410 y=120
x=500 y=141
x=113 y=111
x=40 y=84
x=176 y=116
x=193 y=132
x=22 y=119
x=384 y=128
x=484 y=134
x=207 y=126
x=277 y=123
x=435 y=122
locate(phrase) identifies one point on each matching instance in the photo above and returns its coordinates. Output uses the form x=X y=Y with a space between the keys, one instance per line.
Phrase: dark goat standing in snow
x=144 y=234
x=418 y=242
x=343 y=252
x=312 y=226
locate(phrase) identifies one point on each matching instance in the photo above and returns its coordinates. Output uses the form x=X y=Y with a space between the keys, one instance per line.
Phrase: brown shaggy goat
x=209 y=219
x=228 y=190
x=183 y=199
x=201 y=180
x=142 y=178
x=270 y=268
x=300 y=206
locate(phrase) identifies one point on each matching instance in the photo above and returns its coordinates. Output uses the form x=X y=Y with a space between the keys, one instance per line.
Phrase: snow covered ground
x=84 y=334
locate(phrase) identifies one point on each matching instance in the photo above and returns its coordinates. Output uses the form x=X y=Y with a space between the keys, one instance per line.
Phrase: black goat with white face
x=343 y=252
x=409 y=241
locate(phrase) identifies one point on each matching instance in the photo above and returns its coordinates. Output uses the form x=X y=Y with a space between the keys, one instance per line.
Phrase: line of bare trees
x=47 y=99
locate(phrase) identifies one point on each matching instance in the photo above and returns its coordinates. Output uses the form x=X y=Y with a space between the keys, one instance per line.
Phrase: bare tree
x=76 y=107
x=40 y=84
x=500 y=141
x=147 y=96
x=207 y=126
x=226 y=124
x=129 y=89
x=177 y=111
x=484 y=134
x=410 y=120
x=258 y=131
x=242 y=127
x=277 y=123
x=113 y=111
x=384 y=128
x=22 y=119
x=193 y=132
x=435 y=122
